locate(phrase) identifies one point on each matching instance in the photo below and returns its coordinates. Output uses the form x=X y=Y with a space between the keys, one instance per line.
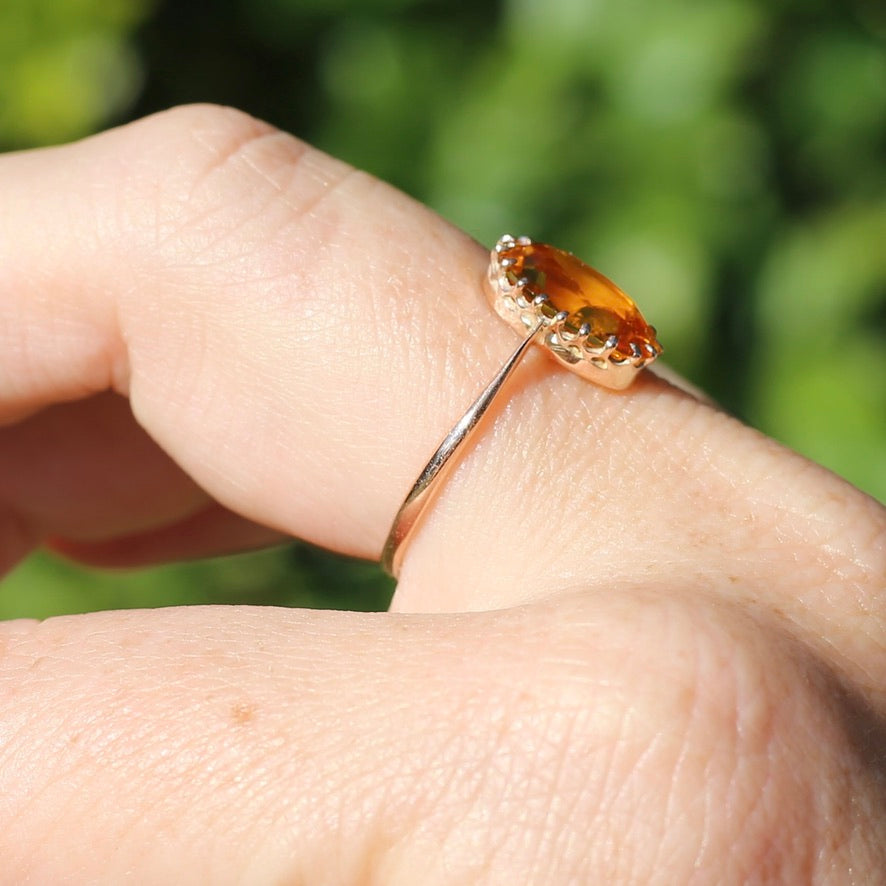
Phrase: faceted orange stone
x=585 y=294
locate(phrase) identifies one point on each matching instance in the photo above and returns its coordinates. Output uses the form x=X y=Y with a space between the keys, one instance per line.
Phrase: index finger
x=299 y=336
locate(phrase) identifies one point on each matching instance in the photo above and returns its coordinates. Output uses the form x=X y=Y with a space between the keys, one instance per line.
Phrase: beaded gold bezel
x=612 y=363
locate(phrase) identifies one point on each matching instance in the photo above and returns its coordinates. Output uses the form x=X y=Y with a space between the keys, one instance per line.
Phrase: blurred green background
x=722 y=159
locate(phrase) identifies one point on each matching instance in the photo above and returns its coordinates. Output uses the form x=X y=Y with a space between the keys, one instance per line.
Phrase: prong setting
x=612 y=361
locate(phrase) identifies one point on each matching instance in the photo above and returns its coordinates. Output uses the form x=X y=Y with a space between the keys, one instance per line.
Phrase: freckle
x=243 y=713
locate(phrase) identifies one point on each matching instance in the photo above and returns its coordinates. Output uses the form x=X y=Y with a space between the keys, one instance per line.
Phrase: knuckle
x=224 y=183
x=201 y=116
x=170 y=151
x=702 y=737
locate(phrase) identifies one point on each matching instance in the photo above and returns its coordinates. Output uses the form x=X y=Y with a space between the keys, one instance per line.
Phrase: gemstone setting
x=589 y=324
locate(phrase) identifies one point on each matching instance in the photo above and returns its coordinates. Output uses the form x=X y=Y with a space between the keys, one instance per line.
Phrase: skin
x=633 y=642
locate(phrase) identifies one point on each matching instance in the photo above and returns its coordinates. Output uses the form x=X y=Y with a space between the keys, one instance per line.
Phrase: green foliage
x=65 y=67
x=723 y=160
x=299 y=575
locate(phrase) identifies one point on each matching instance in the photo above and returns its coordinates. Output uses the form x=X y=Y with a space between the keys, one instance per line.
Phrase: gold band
x=431 y=478
x=579 y=316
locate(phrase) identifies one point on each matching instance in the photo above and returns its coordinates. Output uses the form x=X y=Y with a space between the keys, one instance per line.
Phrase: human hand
x=633 y=642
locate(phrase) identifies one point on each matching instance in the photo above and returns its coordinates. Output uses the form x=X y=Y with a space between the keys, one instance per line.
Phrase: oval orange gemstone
x=584 y=294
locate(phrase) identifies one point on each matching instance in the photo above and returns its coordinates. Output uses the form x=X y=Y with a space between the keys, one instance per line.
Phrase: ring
x=553 y=299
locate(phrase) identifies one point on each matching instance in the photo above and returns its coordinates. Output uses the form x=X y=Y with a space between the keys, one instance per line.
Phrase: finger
x=86 y=469
x=299 y=337
x=207 y=280
x=232 y=745
x=88 y=476
x=87 y=472
x=211 y=532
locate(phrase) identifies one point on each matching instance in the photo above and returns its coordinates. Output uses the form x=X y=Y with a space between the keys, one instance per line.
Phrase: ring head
x=590 y=325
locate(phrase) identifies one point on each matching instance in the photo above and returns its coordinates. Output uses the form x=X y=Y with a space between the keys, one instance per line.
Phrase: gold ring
x=553 y=299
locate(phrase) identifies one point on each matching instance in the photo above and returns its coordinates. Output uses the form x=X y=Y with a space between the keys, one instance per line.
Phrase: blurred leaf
x=824 y=277
x=299 y=575
x=803 y=402
x=65 y=67
x=820 y=378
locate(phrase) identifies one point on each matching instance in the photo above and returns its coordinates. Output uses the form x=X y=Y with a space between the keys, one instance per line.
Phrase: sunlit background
x=722 y=159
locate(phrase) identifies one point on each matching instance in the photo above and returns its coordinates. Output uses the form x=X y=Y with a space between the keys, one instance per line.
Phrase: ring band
x=580 y=317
